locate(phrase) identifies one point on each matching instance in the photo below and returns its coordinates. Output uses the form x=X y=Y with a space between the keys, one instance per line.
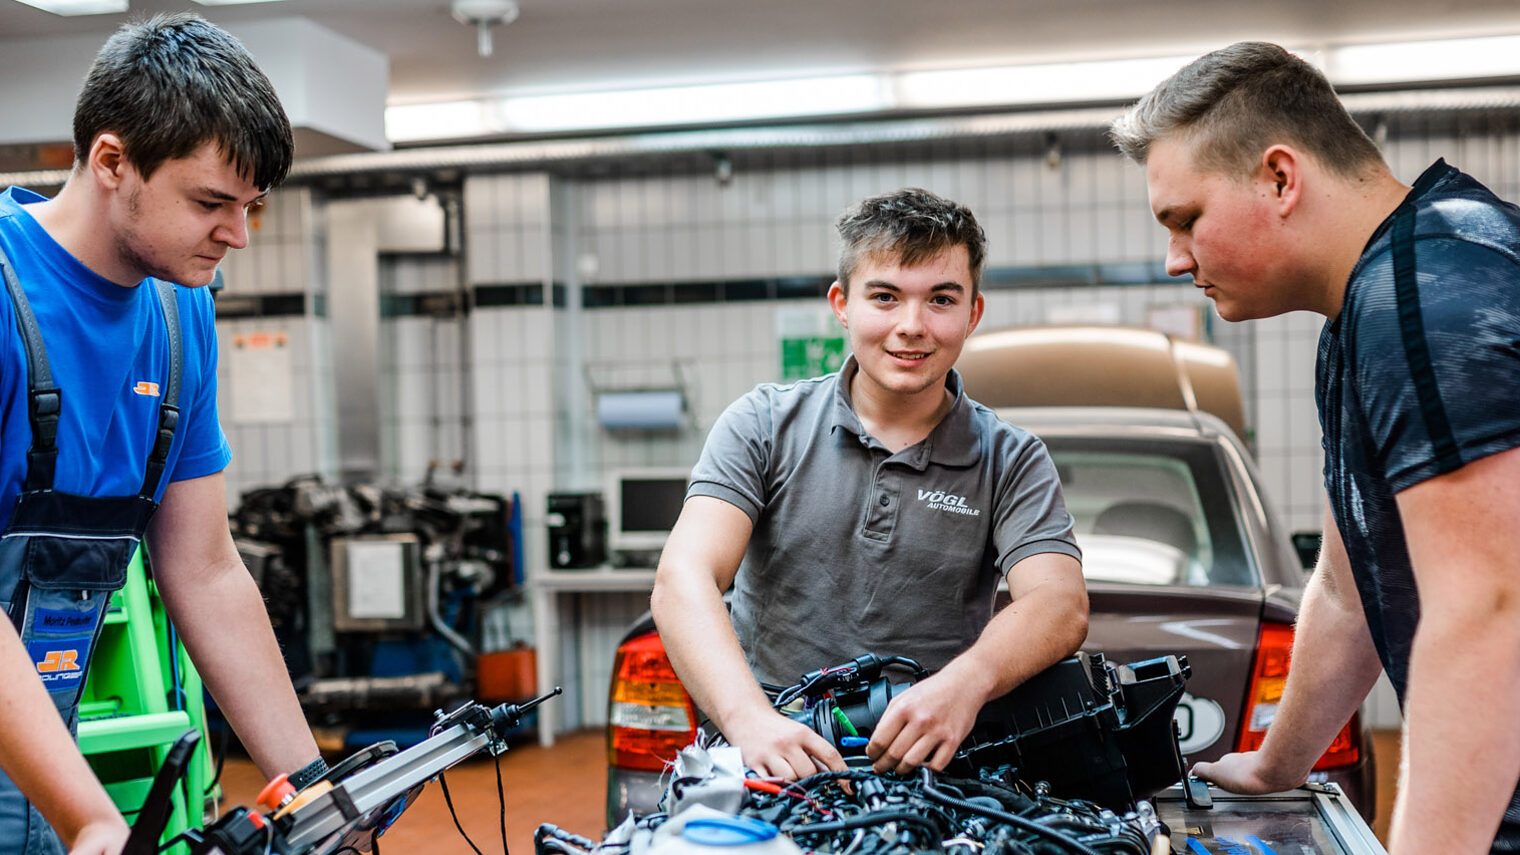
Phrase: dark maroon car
x=1181 y=553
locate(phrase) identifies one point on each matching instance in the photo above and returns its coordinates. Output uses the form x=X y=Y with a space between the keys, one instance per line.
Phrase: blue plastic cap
x=728 y=831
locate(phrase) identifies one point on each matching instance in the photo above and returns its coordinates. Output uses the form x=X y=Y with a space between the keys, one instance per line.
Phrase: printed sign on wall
x=810 y=342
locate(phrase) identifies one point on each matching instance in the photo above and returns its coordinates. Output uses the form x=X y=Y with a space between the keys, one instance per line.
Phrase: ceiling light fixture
x=234 y=2
x=1108 y=81
x=668 y=106
x=78 y=7
x=483 y=15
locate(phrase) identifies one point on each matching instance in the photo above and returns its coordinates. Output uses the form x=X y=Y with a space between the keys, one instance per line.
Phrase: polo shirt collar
x=953 y=442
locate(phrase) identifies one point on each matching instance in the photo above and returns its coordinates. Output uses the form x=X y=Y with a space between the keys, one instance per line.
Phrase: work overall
x=62 y=555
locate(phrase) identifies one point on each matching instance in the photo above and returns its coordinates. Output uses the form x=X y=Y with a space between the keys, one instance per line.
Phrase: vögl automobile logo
x=939 y=500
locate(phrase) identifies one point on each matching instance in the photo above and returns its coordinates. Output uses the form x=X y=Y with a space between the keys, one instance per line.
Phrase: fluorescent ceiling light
x=79 y=7
x=1404 y=62
x=675 y=106
x=1052 y=83
x=234 y=2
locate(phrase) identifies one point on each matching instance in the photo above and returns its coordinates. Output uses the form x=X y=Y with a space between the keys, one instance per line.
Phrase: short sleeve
x=736 y=457
x=204 y=449
x=1469 y=296
x=1031 y=516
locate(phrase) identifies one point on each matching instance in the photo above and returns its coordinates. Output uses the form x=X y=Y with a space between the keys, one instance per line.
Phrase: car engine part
x=858 y=812
x=1085 y=727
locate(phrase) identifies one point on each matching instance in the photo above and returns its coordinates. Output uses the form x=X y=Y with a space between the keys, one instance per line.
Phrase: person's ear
x=1282 y=170
x=108 y=160
x=978 y=306
x=837 y=298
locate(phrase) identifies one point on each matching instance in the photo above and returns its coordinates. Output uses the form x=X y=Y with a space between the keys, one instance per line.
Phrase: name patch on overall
x=60 y=663
x=58 y=622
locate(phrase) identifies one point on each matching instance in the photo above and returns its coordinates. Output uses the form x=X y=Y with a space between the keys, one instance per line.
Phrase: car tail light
x=1269 y=673
x=650 y=716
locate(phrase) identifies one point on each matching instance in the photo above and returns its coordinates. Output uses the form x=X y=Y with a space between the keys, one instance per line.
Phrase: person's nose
x=233 y=231
x=1179 y=257
x=910 y=320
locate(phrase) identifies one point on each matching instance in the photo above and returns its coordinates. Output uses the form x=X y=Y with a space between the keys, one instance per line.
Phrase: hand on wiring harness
x=924 y=726
x=774 y=746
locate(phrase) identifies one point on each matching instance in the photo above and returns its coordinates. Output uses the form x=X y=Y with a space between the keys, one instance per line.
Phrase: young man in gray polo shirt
x=873 y=511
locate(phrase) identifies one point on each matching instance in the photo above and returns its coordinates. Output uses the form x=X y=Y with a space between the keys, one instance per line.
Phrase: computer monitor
x=642 y=507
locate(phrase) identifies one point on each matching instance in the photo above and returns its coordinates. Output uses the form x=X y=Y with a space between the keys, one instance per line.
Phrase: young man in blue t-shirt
x=1276 y=201
x=108 y=423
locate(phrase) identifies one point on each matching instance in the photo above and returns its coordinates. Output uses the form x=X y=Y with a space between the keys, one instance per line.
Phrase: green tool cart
x=141 y=694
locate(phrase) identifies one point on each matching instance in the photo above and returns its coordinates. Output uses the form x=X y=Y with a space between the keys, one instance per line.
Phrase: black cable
x=833 y=775
x=501 y=801
x=865 y=820
x=1014 y=820
x=221 y=758
x=444 y=784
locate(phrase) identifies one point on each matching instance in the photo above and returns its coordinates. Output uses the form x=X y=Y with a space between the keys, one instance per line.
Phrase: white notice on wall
x=260 y=375
x=376 y=580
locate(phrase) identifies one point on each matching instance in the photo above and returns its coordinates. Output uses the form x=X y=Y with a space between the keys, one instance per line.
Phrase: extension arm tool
x=348 y=808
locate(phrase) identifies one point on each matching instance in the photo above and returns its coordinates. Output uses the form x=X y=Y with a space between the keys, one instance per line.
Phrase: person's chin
x=194 y=278
x=1235 y=313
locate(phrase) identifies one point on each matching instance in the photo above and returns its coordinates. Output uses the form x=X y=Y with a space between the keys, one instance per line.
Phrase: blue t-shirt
x=1467 y=261
x=108 y=349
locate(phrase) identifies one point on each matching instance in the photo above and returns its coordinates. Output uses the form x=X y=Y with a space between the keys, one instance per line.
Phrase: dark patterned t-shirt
x=1380 y=435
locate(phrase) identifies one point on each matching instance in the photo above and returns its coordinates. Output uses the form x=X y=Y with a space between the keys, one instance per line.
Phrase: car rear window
x=1153 y=511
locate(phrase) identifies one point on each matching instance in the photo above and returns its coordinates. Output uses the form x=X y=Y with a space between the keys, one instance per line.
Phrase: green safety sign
x=810 y=356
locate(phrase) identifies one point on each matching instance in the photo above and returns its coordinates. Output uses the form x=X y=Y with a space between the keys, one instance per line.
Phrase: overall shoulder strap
x=44 y=400
x=168 y=408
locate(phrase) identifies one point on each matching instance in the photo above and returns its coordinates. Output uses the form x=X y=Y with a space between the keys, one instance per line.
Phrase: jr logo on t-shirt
x=145 y=387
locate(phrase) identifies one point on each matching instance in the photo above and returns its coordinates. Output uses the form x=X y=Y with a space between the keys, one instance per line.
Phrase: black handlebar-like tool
x=155 y=810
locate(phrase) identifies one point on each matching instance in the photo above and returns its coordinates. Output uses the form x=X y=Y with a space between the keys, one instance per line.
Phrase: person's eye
x=255 y=205
x=944 y=300
x=211 y=207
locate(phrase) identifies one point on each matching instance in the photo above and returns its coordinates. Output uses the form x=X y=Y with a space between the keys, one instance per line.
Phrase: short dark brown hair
x=1236 y=102
x=912 y=224
x=170 y=84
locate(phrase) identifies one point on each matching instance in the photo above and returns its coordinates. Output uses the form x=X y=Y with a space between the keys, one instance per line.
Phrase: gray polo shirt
x=859 y=550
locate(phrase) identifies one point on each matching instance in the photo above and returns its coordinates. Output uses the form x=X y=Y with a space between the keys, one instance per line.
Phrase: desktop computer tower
x=577 y=530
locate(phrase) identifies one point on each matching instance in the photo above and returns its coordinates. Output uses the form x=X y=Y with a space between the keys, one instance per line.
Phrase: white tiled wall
x=287 y=239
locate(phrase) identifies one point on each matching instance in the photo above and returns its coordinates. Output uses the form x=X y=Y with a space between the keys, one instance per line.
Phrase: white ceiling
x=579 y=45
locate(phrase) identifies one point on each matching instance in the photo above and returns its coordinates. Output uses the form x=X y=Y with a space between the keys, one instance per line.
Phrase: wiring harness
x=859 y=812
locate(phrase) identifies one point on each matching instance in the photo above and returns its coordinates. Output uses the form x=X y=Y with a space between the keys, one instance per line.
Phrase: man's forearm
x=1462 y=746
x=702 y=646
x=1334 y=667
x=38 y=754
x=226 y=629
x=1038 y=629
